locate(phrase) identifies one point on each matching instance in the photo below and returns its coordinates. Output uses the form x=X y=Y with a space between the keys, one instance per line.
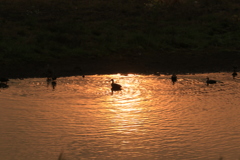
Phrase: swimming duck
x=54 y=82
x=174 y=78
x=209 y=81
x=115 y=86
x=234 y=74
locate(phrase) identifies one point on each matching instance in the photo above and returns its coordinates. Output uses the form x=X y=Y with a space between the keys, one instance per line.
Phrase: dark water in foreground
x=149 y=119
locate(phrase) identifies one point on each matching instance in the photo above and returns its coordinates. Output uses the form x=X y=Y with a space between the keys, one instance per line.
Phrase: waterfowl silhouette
x=234 y=74
x=115 y=86
x=210 y=81
x=174 y=78
x=4 y=80
x=54 y=82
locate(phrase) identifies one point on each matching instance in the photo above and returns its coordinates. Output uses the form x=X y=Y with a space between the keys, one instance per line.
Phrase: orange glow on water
x=148 y=119
x=126 y=106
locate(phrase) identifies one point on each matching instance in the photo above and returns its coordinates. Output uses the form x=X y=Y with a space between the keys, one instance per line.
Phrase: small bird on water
x=234 y=74
x=54 y=82
x=174 y=78
x=210 y=81
x=115 y=86
x=51 y=78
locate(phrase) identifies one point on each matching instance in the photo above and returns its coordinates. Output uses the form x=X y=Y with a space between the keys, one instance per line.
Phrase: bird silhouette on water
x=210 y=81
x=234 y=74
x=51 y=78
x=174 y=78
x=115 y=86
x=54 y=82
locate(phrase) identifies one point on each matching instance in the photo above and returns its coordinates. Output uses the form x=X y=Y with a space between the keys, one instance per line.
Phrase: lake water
x=150 y=119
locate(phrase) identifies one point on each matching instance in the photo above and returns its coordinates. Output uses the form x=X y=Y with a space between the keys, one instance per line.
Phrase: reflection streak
x=149 y=119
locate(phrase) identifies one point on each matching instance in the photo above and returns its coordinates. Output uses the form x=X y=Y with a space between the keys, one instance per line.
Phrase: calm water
x=150 y=119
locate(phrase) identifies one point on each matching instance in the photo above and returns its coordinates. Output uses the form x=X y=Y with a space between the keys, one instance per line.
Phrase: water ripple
x=149 y=119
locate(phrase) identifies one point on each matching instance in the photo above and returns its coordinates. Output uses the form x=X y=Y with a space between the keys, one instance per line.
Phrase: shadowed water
x=149 y=119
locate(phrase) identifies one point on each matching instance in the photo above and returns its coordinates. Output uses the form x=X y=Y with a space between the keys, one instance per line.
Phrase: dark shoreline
x=99 y=38
x=139 y=64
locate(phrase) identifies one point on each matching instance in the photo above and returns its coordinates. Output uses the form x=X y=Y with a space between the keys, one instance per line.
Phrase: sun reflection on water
x=149 y=119
x=126 y=112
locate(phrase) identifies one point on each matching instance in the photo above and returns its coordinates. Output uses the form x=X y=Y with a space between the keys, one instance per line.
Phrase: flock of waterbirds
x=52 y=79
x=208 y=81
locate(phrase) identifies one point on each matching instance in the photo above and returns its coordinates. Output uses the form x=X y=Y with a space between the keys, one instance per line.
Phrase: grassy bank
x=47 y=31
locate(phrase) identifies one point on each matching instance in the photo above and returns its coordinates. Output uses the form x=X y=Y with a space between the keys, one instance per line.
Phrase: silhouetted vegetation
x=43 y=30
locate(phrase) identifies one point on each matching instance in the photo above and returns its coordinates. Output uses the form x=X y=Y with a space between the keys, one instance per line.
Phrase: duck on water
x=234 y=74
x=211 y=81
x=115 y=86
x=54 y=82
x=174 y=78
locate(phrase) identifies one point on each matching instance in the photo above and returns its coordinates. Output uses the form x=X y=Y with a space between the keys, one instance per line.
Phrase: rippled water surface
x=149 y=119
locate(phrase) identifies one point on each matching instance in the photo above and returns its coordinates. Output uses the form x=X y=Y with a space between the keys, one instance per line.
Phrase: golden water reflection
x=126 y=112
x=149 y=119
x=126 y=116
